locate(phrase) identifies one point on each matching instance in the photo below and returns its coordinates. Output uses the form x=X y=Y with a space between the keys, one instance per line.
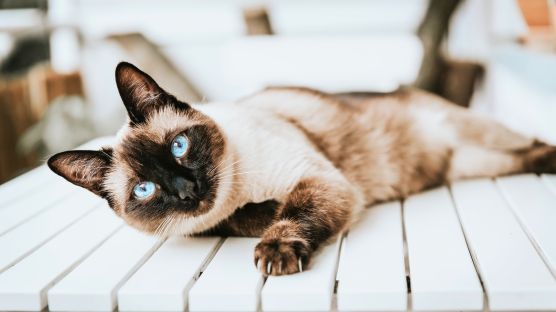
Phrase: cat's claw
x=281 y=256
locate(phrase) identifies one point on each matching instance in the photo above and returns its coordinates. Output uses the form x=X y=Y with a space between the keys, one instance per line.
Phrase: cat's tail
x=539 y=158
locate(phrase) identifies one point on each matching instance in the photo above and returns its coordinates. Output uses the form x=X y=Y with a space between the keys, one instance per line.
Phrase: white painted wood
x=92 y=285
x=535 y=206
x=24 y=184
x=310 y=290
x=23 y=286
x=163 y=282
x=441 y=270
x=230 y=282
x=371 y=272
x=513 y=274
x=40 y=179
x=98 y=143
x=27 y=184
x=550 y=181
x=39 y=199
x=22 y=240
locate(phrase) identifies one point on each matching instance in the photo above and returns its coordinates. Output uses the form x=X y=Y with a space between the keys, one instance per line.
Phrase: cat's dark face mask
x=164 y=169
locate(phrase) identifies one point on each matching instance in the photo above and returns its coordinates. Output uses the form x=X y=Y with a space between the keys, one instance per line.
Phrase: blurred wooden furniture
x=257 y=21
x=537 y=13
x=23 y=101
x=540 y=17
x=148 y=57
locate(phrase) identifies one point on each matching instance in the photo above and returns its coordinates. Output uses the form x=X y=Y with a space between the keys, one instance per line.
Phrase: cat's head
x=165 y=173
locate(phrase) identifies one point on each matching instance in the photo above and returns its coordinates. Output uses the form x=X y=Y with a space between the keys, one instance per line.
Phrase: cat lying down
x=294 y=166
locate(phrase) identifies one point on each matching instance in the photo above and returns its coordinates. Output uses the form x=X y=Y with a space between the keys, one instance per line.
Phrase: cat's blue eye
x=180 y=146
x=144 y=189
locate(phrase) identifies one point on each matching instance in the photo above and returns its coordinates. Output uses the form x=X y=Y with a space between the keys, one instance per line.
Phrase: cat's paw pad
x=281 y=256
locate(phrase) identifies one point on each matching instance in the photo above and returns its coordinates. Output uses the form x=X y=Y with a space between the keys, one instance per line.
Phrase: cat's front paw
x=281 y=256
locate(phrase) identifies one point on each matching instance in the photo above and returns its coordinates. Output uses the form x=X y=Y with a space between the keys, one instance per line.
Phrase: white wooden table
x=478 y=245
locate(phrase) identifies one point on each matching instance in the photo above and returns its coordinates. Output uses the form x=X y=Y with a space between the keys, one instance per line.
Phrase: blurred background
x=57 y=58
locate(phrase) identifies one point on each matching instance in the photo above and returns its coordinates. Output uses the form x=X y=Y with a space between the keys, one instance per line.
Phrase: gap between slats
x=68 y=194
x=524 y=227
x=404 y=255
x=209 y=258
x=409 y=306
x=33 y=249
x=44 y=292
x=137 y=266
x=334 y=304
x=471 y=253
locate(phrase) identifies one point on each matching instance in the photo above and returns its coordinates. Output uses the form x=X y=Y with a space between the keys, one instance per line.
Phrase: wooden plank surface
x=17 y=212
x=92 y=285
x=514 y=275
x=163 y=282
x=550 y=181
x=24 y=185
x=535 y=206
x=25 y=238
x=23 y=286
x=231 y=282
x=371 y=272
x=442 y=273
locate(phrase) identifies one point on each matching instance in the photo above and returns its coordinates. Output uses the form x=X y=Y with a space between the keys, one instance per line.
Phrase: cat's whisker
x=167 y=226
x=228 y=166
x=170 y=226
x=160 y=227
x=244 y=172
x=231 y=165
x=239 y=174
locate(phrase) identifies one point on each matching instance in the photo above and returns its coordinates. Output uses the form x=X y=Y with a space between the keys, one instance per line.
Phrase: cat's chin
x=203 y=205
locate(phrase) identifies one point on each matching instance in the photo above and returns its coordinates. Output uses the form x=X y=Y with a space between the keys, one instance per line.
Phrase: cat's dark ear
x=83 y=168
x=139 y=92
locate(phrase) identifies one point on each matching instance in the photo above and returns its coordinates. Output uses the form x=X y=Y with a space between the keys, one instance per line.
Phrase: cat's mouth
x=196 y=199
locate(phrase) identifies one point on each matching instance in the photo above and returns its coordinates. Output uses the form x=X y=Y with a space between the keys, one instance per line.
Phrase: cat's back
x=368 y=136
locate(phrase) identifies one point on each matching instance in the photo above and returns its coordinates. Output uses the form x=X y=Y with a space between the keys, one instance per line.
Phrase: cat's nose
x=184 y=188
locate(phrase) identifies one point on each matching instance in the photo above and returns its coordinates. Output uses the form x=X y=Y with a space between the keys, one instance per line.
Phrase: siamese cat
x=294 y=166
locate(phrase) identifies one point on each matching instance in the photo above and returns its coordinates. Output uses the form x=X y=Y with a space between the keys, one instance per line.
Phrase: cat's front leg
x=317 y=209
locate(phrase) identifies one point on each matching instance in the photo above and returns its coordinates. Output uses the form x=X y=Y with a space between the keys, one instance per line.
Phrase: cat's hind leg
x=480 y=146
x=476 y=161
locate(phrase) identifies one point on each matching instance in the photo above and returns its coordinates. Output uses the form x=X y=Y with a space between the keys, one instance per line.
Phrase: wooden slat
x=311 y=290
x=441 y=269
x=163 y=282
x=38 y=200
x=41 y=178
x=371 y=272
x=534 y=205
x=23 y=287
x=550 y=181
x=92 y=286
x=24 y=184
x=230 y=282
x=43 y=227
x=513 y=274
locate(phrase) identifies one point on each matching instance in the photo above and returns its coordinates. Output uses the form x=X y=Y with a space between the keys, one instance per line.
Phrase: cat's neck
x=258 y=140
